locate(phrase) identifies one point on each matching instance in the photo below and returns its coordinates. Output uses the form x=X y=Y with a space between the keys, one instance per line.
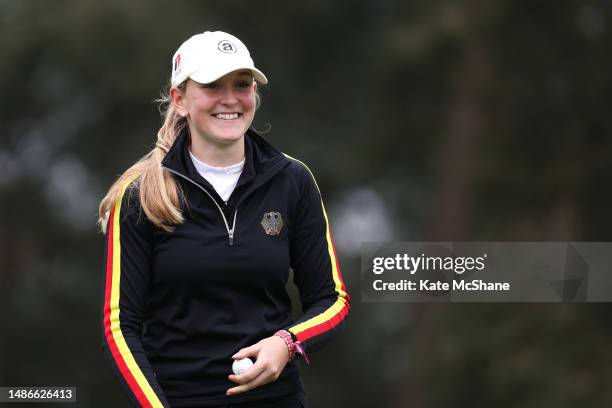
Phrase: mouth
x=227 y=116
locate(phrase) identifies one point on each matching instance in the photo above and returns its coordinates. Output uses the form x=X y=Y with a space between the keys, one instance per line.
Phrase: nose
x=228 y=97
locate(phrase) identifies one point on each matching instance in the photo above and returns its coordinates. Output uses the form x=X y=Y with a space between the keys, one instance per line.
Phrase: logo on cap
x=177 y=62
x=226 y=47
x=272 y=223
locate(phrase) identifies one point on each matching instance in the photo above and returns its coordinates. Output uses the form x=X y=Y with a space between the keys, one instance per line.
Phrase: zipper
x=230 y=231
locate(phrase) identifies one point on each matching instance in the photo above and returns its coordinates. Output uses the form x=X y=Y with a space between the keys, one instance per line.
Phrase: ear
x=177 y=98
x=254 y=86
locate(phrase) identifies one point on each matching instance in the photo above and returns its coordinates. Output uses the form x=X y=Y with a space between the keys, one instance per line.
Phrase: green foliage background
x=469 y=120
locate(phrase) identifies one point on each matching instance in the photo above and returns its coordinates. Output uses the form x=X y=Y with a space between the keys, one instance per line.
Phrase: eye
x=212 y=85
x=243 y=84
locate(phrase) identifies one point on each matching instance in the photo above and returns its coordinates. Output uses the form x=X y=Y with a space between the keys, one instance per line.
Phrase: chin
x=232 y=137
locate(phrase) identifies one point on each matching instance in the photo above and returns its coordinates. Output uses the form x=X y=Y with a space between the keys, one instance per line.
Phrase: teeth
x=226 y=115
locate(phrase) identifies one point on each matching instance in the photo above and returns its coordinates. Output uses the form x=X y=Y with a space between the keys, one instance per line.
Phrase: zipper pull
x=230 y=231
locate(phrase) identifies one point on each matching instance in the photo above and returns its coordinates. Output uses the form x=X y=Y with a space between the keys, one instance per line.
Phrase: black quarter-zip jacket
x=178 y=305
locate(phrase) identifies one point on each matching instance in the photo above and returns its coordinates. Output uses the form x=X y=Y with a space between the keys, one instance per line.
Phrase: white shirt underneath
x=223 y=179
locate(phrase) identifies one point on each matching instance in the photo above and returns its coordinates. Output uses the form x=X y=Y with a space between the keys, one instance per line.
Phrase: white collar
x=205 y=168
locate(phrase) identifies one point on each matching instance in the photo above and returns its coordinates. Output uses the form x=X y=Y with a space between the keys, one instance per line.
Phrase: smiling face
x=219 y=112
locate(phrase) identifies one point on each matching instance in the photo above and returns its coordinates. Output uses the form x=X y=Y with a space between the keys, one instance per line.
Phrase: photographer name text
x=413 y=264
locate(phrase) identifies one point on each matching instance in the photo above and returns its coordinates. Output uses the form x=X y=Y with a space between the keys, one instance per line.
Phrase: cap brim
x=206 y=76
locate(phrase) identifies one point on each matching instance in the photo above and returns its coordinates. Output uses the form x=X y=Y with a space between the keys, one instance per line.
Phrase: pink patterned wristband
x=286 y=336
x=294 y=347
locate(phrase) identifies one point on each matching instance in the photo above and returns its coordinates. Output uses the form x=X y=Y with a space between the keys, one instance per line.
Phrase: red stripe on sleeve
x=323 y=327
x=107 y=324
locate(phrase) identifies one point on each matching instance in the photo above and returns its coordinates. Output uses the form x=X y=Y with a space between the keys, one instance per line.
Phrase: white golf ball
x=240 y=366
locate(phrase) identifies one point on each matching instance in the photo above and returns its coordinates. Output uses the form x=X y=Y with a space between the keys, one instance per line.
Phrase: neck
x=217 y=155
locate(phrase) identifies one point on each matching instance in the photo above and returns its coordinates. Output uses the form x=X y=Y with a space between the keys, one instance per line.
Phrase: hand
x=272 y=356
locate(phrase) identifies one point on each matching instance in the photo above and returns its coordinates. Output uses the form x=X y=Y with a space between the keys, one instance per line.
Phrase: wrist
x=288 y=340
x=294 y=347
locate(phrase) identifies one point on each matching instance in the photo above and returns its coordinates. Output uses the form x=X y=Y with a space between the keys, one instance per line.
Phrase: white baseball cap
x=208 y=56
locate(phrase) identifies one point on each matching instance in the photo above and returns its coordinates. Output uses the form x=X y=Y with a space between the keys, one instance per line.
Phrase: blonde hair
x=159 y=193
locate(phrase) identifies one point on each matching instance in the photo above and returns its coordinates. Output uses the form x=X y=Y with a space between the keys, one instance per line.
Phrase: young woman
x=201 y=233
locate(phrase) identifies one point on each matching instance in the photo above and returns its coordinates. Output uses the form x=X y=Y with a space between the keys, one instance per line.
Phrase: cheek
x=199 y=103
x=249 y=102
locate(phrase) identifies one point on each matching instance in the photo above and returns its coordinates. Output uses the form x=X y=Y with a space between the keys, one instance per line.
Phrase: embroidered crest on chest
x=272 y=223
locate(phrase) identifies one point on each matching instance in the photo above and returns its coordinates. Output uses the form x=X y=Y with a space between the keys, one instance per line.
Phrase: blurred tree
x=469 y=119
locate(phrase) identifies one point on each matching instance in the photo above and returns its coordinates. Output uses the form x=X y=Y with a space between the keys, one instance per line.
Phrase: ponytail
x=158 y=190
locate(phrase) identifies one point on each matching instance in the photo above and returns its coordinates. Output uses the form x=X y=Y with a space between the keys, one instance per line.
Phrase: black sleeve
x=127 y=271
x=316 y=270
